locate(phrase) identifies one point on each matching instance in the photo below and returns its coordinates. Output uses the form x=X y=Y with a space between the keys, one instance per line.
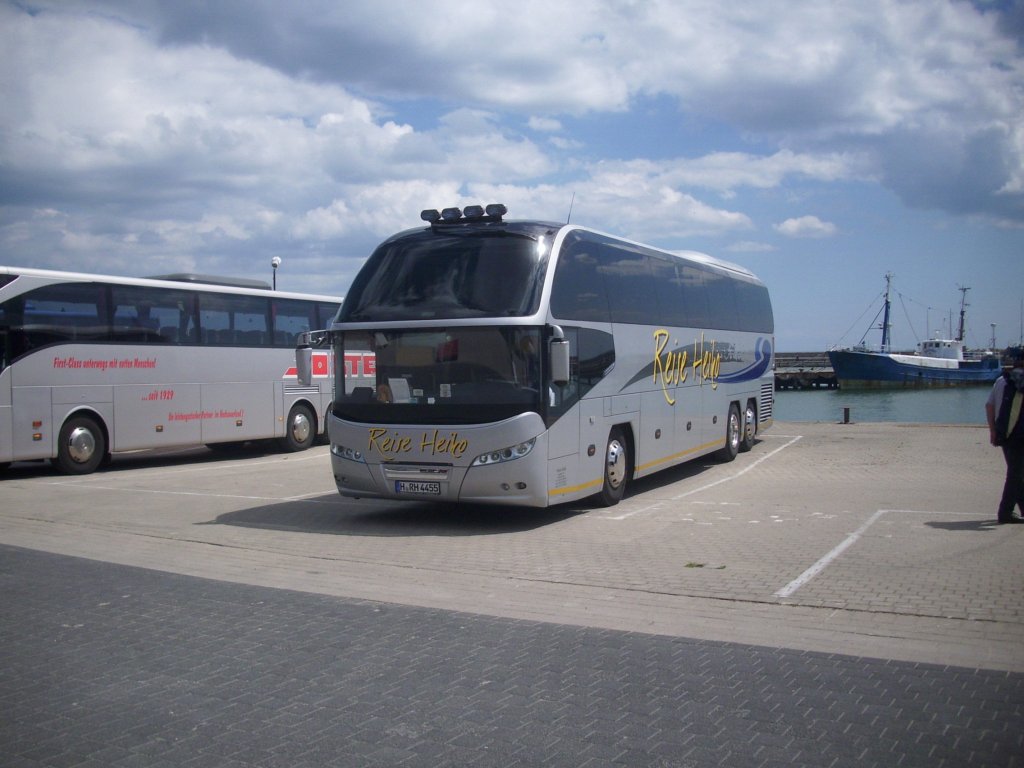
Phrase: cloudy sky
x=820 y=144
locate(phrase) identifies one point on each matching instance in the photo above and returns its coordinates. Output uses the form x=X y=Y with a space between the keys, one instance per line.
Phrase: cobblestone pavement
x=108 y=665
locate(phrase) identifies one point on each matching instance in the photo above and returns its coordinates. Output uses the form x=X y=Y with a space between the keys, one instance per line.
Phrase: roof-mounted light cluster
x=492 y=212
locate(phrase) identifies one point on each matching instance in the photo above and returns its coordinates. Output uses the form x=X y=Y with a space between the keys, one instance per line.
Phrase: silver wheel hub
x=81 y=445
x=615 y=469
x=300 y=428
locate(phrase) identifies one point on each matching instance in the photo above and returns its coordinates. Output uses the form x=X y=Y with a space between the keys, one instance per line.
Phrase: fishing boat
x=937 y=362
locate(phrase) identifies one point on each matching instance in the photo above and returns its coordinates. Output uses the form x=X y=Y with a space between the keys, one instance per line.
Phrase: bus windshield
x=447 y=276
x=456 y=375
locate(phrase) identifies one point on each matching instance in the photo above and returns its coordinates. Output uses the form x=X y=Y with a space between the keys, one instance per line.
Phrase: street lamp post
x=275 y=263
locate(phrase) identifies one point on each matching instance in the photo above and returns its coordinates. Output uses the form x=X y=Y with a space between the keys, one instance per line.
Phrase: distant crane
x=963 y=310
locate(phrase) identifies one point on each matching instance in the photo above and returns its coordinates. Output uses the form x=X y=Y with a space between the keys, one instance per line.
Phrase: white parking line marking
x=740 y=473
x=825 y=561
x=635 y=512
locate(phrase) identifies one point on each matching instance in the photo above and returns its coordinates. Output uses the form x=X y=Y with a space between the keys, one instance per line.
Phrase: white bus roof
x=715 y=262
x=183 y=280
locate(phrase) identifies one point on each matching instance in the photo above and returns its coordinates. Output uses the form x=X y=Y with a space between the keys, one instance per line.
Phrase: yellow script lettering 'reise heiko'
x=672 y=368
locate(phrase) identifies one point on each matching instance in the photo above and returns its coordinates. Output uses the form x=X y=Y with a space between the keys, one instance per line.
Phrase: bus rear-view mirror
x=559 y=351
x=304 y=365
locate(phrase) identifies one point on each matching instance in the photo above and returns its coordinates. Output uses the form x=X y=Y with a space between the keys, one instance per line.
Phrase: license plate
x=415 y=486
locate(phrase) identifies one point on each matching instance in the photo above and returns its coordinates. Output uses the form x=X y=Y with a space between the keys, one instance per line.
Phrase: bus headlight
x=504 y=454
x=347 y=453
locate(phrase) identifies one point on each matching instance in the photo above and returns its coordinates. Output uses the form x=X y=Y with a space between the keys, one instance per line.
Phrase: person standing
x=1004 y=411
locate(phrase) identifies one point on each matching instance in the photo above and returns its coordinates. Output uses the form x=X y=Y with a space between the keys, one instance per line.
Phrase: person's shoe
x=1010 y=520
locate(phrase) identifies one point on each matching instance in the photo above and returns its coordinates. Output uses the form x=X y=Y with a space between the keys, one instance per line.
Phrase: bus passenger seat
x=361 y=394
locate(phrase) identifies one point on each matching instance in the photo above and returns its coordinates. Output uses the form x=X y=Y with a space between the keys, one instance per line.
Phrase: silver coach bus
x=94 y=364
x=532 y=363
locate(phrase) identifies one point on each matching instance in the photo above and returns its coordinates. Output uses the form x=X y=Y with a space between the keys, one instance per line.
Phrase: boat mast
x=885 y=317
x=963 y=310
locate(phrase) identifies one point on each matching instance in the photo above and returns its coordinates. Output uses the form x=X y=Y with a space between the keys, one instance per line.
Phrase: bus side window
x=325 y=314
x=592 y=357
x=250 y=320
x=579 y=291
x=596 y=357
x=65 y=312
x=148 y=314
x=721 y=295
x=291 y=318
x=693 y=297
x=133 y=322
x=633 y=297
x=674 y=309
x=227 y=319
x=754 y=308
x=10 y=317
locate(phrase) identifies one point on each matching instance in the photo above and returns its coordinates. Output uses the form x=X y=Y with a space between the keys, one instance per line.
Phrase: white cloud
x=806 y=226
x=544 y=124
x=566 y=145
x=185 y=131
x=750 y=246
x=726 y=171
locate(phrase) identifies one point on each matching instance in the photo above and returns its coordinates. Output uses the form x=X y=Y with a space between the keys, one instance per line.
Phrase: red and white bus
x=95 y=364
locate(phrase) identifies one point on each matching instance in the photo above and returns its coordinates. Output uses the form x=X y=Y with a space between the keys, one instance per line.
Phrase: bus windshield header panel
x=450 y=275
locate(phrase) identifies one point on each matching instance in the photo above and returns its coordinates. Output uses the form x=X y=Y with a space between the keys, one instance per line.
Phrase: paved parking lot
x=745 y=551
x=838 y=596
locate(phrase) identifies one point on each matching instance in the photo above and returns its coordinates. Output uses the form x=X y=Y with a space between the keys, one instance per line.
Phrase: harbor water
x=963 y=405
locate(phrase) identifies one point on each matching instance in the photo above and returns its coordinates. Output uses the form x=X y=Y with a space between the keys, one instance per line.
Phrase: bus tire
x=749 y=427
x=616 y=469
x=299 y=430
x=733 y=428
x=82 y=446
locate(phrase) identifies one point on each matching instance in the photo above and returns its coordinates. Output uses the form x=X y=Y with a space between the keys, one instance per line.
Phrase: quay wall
x=804 y=370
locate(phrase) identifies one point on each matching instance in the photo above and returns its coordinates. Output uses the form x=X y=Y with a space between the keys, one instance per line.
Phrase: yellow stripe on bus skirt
x=638 y=468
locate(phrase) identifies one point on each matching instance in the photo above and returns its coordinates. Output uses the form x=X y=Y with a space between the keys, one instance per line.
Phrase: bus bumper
x=522 y=482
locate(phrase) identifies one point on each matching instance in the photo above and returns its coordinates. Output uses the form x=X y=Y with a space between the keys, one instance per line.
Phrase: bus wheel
x=749 y=427
x=732 y=435
x=298 y=430
x=82 y=446
x=616 y=469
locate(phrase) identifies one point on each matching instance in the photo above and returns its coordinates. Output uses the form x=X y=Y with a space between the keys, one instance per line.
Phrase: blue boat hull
x=872 y=370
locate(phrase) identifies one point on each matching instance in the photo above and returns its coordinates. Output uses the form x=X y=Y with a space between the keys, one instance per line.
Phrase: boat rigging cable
x=857 y=322
x=906 y=313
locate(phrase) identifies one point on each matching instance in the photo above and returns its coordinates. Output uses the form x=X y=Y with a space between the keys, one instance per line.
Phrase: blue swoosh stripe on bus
x=762 y=359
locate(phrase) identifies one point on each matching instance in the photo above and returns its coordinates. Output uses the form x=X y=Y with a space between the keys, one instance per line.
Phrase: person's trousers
x=1013 y=488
